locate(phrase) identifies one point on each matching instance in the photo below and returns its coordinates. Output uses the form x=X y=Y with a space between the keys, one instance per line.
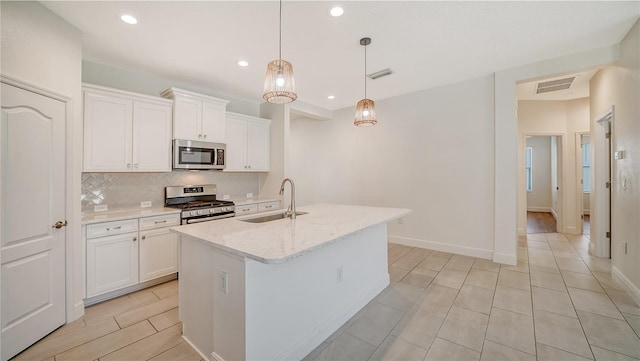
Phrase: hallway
x=540 y=222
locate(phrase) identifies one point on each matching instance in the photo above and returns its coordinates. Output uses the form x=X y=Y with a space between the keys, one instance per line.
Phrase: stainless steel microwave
x=191 y=154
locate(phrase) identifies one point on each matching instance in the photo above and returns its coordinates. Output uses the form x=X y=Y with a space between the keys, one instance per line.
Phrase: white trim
x=571 y=230
x=599 y=176
x=522 y=231
x=554 y=214
x=321 y=332
x=586 y=211
x=631 y=289
x=216 y=357
x=204 y=357
x=505 y=259
x=443 y=247
x=539 y=209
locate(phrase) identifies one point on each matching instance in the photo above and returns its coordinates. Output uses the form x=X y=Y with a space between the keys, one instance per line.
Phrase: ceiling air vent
x=380 y=74
x=554 y=85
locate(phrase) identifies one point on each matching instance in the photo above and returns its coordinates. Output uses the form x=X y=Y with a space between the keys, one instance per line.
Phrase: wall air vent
x=380 y=74
x=554 y=85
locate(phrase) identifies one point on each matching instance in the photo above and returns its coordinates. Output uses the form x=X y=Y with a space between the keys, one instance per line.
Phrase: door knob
x=59 y=224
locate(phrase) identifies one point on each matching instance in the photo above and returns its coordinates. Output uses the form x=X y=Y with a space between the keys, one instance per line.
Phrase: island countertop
x=281 y=240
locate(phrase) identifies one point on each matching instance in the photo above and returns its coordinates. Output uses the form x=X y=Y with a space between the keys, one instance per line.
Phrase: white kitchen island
x=276 y=290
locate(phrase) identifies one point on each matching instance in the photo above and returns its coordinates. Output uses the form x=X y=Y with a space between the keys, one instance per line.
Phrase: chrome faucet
x=291 y=211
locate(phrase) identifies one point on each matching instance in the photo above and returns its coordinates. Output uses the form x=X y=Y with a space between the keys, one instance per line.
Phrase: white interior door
x=33 y=199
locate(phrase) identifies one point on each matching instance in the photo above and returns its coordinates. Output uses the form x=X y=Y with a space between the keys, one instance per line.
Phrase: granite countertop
x=245 y=201
x=126 y=214
x=284 y=239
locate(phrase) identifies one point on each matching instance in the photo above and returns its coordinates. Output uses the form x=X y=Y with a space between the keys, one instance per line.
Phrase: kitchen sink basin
x=270 y=218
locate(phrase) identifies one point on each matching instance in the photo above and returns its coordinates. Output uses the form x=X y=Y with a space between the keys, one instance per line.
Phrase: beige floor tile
x=546 y=266
x=512 y=299
x=58 y=343
x=396 y=274
x=634 y=321
x=346 y=347
x=450 y=278
x=481 y=278
x=492 y=351
x=572 y=254
x=396 y=349
x=464 y=327
x=536 y=237
x=606 y=281
x=419 y=326
x=522 y=266
x=540 y=254
x=548 y=280
x=165 y=319
x=433 y=263
x=142 y=313
x=397 y=252
x=553 y=301
x=606 y=355
x=109 y=343
x=419 y=277
x=512 y=329
x=475 y=298
x=460 y=263
x=445 y=255
x=437 y=298
x=165 y=290
x=581 y=280
x=523 y=254
x=486 y=265
x=538 y=244
x=514 y=279
x=572 y=265
x=148 y=347
x=182 y=352
x=609 y=333
x=623 y=301
x=410 y=259
x=445 y=350
x=117 y=306
x=548 y=353
x=561 y=332
x=594 y=302
x=375 y=324
x=400 y=296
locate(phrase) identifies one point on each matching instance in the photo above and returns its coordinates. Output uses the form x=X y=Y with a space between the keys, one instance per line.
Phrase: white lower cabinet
x=112 y=263
x=125 y=253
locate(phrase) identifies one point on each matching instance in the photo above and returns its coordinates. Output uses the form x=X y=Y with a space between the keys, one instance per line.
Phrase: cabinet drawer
x=246 y=209
x=111 y=228
x=268 y=206
x=167 y=220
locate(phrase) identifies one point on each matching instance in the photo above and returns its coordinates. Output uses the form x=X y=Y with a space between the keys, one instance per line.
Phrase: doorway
x=543 y=176
x=584 y=166
x=603 y=142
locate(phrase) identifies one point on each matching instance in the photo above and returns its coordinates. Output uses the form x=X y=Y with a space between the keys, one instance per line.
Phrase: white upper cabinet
x=197 y=117
x=125 y=132
x=248 y=143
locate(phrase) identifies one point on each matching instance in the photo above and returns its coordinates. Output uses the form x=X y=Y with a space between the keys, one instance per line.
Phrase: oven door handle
x=205 y=219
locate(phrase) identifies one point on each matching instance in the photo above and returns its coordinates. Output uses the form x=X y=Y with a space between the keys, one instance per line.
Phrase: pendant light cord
x=365 y=72
x=280 y=34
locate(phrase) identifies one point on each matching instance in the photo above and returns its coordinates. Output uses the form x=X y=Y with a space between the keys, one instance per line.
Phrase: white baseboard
x=443 y=247
x=321 y=332
x=571 y=230
x=554 y=214
x=200 y=353
x=78 y=310
x=585 y=212
x=216 y=357
x=539 y=209
x=504 y=258
x=631 y=289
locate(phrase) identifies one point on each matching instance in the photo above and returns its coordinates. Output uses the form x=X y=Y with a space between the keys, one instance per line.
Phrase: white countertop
x=284 y=239
x=126 y=214
x=245 y=201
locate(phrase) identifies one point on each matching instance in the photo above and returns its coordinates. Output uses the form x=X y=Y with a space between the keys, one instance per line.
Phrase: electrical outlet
x=100 y=208
x=224 y=282
x=625 y=247
x=225 y=197
x=145 y=204
x=249 y=195
x=339 y=274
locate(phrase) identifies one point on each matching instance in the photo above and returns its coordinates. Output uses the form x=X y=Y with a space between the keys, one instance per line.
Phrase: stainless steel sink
x=270 y=218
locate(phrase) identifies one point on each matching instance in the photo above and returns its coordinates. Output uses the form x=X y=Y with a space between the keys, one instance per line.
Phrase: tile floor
x=557 y=304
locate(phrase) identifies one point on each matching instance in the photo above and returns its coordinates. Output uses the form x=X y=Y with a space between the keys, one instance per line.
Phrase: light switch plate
x=100 y=208
x=619 y=154
x=145 y=204
x=224 y=282
x=249 y=195
x=226 y=196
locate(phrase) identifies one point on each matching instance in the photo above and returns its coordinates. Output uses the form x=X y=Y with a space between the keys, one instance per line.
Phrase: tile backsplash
x=127 y=190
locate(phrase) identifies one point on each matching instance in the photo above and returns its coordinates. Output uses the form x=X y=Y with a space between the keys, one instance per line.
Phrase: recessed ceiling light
x=129 y=19
x=336 y=11
x=243 y=63
x=331 y=97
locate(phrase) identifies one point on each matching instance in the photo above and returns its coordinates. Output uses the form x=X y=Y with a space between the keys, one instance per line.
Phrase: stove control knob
x=227 y=209
x=194 y=213
x=200 y=212
x=212 y=210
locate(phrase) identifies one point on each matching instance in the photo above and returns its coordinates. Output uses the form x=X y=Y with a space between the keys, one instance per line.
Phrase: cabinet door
x=258 y=134
x=187 y=121
x=236 y=154
x=213 y=122
x=112 y=263
x=151 y=137
x=107 y=133
x=158 y=253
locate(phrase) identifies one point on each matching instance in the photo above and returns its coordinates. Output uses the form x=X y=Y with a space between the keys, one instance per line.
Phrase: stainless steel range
x=198 y=203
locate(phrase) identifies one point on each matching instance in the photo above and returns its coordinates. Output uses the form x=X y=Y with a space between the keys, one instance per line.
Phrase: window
x=528 y=164
x=586 y=168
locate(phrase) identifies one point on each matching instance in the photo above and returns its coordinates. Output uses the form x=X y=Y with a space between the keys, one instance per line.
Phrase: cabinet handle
x=112 y=228
x=268 y=206
x=135 y=165
x=144 y=237
x=199 y=135
x=158 y=222
x=205 y=136
x=246 y=209
x=135 y=239
x=249 y=167
x=128 y=165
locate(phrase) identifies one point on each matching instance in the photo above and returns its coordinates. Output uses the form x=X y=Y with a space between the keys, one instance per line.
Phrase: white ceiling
x=425 y=43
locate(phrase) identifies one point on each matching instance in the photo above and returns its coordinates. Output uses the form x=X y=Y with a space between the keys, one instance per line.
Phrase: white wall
x=565 y=119
x=619 y=86
x=539 y=199
x=40 y=48
x=431 y=151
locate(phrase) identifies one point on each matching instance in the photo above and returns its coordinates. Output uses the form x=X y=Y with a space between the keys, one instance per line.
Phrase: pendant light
x=279 y=85
x=365 y=109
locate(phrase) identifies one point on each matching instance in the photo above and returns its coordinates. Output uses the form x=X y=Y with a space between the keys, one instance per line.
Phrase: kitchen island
x=276 y=290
